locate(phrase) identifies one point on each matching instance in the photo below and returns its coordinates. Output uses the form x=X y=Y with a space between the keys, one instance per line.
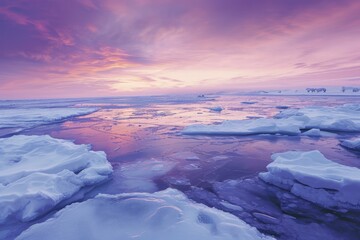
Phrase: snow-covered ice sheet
x=352 y=144
x=23 y=118
x=315 y=132
x=315 y=178
x=162 y=215
x=39 y=172
x=248 y=127
x=344 y=118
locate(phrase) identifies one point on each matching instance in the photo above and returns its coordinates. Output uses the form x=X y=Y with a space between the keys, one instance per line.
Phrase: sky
x=93 y=48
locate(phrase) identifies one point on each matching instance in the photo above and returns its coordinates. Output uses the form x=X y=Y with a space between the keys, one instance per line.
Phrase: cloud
x=121 y=46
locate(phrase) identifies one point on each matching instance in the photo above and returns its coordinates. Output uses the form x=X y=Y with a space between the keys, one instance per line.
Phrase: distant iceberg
x=39 y=172
x=313 y=177
x=144 y=216
x=344 y=118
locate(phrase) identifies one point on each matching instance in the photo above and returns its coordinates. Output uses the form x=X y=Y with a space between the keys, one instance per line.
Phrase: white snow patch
x=315 y=178
x=162 y=215
x=352 y=144
x=39 y=172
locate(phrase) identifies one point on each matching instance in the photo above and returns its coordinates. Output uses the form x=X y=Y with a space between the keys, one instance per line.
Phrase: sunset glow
x=84 y=48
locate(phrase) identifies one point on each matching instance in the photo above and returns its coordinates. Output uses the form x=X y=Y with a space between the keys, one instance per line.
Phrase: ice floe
x=313 y=177
x=216 y=109
x=247 y=127
x=22 y=118
x=315 y=132
x=344 y=118
x=162 y=215
x=351 y=144
x=39 y=172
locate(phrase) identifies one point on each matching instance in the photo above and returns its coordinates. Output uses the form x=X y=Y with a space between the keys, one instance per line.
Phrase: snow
x=39 y=172
x=162 y=215
x=23 y=118
x=351 y=144
x=313 y=177
x=247 y=127
x=315 y=132
x=345 y=118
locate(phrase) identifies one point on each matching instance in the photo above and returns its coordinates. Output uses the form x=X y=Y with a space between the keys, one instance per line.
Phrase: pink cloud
x=125 y=47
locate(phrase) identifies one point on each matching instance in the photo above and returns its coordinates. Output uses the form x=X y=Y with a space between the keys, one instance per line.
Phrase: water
x=139 y=134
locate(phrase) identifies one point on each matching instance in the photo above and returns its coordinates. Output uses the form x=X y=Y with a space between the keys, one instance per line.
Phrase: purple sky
x=79 y=48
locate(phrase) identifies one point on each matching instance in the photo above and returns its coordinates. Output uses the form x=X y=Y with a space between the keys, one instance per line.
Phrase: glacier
x=313 y=177
x=167 y=214
x=39 y=172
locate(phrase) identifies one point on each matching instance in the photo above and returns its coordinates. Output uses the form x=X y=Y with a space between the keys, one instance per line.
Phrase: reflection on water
x=150 y=131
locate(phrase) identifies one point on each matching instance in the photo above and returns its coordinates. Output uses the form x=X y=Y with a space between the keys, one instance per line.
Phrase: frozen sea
x=142 y=139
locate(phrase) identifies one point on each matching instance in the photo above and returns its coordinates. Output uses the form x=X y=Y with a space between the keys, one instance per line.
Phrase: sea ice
x=315 y=132
x=39 y=172
x=248 y=127
x=216 y=109
x=276 y=211
x=344 y=118
x=162 y=215
x=351 y=144
x=313 y=177
x=23 y=118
